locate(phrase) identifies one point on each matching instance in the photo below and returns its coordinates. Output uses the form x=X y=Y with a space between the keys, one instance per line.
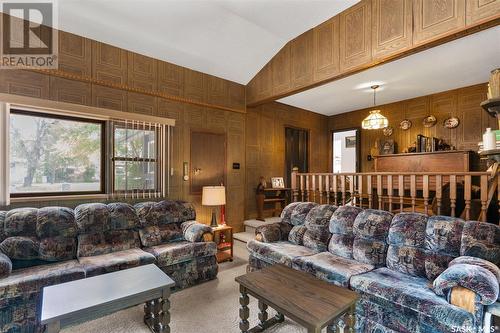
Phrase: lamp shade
x=375 y=120
x=213 y=196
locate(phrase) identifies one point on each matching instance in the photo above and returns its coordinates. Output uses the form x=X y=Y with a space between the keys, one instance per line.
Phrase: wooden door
x=436 y=18
x=355 y=36
x=392 y=27
x=326 y=49
x=296 y=151
x=208 y=160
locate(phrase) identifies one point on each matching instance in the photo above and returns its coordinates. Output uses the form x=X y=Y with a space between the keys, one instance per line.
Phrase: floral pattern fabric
x=278 y=252
x=270 y=232
x=164 y=212
x=299 y=213
x=156 y=235
x=194 y=231
x=122 y=216
x=286 y=213
x=341 y=227
x=56 y=221
x=176 y=252
x=5 y=265
x=112 y=262
x=21 y=222
x=92 y=218
x=481 y=240
x=107 y=242
x=296 y=235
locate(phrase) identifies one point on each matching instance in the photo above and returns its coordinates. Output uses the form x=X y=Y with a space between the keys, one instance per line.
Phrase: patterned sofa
x=406 y=267
x=51 y=245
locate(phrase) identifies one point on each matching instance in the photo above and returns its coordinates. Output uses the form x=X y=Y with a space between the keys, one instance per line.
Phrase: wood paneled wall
x=96 y=74
x=463 y=103
x=365 y=35
x=265 y=143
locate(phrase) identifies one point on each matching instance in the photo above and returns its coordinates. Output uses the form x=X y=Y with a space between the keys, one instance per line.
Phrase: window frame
x=114 y=158
x=103 y=178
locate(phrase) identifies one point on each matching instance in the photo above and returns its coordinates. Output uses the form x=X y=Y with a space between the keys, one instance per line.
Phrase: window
x=135 y=160
x=54 y=155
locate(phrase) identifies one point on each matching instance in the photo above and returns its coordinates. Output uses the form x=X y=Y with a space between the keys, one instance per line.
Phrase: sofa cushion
x=286 y=213
x=55 y=222
x=176 y=252
x=341 y=227
x=107 y=242
x=296 y=234
x=156 y=235
x=3 y=214
x=20 y=248
x=57 y=249
x=316 y=237
x=32 y=279
x=164 y=212
x=92 y=218
x=115 y=261
x=21 y=222
x=279 y=252
x=443 y=236
x=411 y=292
x=122 y=216
x=330 y=267
x=320 y=215
x=299 y=213
x=370 y=230
x=5 y=265
x=481 y=240
x=194 y=231
x=406 y=240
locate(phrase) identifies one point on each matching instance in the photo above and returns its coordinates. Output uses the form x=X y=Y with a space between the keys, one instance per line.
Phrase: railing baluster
x=327 y=189
x=308 y=188
x=413 y=191
x=389 y=191
x=320 y=188
x=313 y=188
x=342 y=188
x=467 y=195
x=484 y=197
x=360 y=190
x=453 y=194
x=295 y=190
x=335 y=190
x=351 y=189
x=401 y=190
x=302 y=193
x=380 y=191
x=439 y=192
x=370 y=190
x=426 y=193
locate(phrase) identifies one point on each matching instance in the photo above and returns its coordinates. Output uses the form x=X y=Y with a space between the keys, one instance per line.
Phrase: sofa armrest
x=482 y=282
x=272 y=232
x=5 y=265
x=197 y=232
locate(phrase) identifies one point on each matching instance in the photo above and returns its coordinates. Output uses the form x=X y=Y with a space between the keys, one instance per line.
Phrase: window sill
x=60 y=198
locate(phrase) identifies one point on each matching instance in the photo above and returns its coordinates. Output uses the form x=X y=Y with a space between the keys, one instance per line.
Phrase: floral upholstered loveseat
x=51 y=245
x=406 y=267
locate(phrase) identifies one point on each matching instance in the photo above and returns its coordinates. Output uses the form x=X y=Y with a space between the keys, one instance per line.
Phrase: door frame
x=205 y=131
x=285 y=126
x=358 y=146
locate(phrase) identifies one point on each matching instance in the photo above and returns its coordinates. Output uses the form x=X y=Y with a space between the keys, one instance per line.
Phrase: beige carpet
x=210 y=307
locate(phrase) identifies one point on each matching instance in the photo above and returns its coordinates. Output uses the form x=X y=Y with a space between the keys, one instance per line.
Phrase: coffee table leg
x=352 y=318
x=54 y=327
x=244 y=311
x=262 y=315
x=165 y=316
x=332 y=327
x=279 y=317
x=148 y=313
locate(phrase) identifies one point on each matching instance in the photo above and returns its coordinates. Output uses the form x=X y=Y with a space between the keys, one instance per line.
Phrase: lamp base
x=213 y=223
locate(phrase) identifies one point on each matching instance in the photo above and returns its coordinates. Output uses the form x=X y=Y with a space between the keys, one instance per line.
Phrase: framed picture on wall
x=350 y=141
x=277 y=182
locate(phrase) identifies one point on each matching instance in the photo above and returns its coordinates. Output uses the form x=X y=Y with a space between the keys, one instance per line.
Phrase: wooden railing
x=463 y=194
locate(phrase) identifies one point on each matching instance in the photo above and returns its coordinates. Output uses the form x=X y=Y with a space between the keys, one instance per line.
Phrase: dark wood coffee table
x=311 y=302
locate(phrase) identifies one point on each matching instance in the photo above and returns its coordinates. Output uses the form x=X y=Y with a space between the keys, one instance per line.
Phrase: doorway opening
x=345 y=152
x=296 y=152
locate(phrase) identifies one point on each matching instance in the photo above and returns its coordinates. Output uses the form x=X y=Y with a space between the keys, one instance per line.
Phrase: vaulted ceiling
x=232 y=39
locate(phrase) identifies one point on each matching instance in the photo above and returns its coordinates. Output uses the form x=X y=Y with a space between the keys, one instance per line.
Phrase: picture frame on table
x=277 y=182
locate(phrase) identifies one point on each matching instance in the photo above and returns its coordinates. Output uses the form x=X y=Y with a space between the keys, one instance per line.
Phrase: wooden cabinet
x=109 y=63
x=481 y=10
x=75 y=54
x=280 y=65
x=301 y=54
x=326 y=49
x=355 y=36
x=436 y=18
x=391 y=27
x=142 y=72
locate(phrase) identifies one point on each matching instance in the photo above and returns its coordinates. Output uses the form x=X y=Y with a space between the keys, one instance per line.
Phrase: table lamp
x=213 y=196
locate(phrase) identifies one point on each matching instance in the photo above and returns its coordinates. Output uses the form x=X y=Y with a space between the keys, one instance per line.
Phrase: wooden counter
x=439 y=161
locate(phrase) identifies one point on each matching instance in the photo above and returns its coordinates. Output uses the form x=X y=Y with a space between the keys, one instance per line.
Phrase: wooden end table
x=77 y=301
x=311 y=302
x=223 y=237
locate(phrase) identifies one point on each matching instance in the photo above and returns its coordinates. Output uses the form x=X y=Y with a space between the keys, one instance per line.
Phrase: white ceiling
x=463 y=62
x=232 y=39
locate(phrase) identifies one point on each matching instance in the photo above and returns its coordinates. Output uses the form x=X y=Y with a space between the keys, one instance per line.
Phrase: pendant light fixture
x=375 y=119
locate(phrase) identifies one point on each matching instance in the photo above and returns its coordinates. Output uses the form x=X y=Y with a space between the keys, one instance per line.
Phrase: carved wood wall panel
x=142 y=72
x=435 y=18
x=481 y=10
x=75 y=54
x=281 y=70
x=301 y=56
x=391 y=26
x=463 y=103
x=355 y=36
x=25 y=83
x=139 y=103
x=326 y=49
x=109 y=63
x=69 y=91
x=109 y=98
x=195 y=85
x=170 y=79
